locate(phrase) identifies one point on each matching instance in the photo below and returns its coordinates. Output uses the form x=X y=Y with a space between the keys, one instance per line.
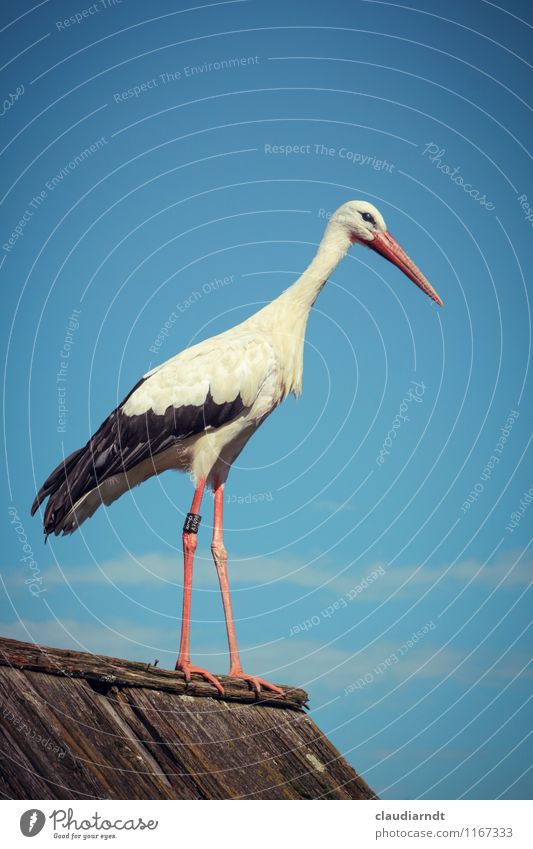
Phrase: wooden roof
x=76 y=725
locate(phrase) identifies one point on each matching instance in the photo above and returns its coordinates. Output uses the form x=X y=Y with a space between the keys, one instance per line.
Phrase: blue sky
x=161 y=162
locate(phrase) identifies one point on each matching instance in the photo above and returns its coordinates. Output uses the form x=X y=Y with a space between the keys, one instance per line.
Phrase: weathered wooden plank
x=25 y=722
x=230 y=751
x=201 y=744
x=129 y=741
x=161 y=721
x=70 y=713
x=109 y=671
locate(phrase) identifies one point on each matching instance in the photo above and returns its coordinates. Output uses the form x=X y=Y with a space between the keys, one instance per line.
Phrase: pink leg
x=220 y=556
x=190 y=542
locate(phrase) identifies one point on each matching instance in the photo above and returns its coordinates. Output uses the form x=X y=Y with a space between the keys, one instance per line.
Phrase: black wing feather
x=121 y=443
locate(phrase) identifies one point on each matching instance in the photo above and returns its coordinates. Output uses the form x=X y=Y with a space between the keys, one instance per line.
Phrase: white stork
x=197 y=411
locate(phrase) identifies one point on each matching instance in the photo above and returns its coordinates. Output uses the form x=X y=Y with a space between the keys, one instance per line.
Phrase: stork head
x=363 y=223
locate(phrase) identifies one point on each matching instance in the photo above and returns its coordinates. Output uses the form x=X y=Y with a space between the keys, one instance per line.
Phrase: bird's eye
x=367 y=216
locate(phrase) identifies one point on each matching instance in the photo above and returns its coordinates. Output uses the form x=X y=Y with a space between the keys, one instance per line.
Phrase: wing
x=201 y=388
x=229 y=365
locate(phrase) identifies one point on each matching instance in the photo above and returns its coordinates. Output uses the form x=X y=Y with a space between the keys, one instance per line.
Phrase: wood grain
x=79 y=726
x=110 y=671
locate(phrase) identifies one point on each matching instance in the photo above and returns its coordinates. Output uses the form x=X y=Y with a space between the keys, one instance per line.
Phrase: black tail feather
x=56 y=481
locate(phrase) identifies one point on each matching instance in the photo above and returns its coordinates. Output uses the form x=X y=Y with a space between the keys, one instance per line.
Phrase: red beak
x=387 y=246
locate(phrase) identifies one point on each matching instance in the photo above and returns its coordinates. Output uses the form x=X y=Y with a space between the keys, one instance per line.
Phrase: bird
x=196 y=412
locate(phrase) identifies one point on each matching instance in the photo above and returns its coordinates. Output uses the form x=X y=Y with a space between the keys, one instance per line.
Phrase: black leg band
x=192 y=523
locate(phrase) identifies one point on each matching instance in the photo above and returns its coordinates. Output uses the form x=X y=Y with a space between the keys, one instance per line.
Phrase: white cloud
x=369 y=672
x=163 y=570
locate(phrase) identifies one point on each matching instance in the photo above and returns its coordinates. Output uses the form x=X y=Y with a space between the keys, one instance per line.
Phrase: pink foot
x=187 y=668
x=256 y=683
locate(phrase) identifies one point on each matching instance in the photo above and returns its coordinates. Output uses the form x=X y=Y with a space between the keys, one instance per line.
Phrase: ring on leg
x=190 y=541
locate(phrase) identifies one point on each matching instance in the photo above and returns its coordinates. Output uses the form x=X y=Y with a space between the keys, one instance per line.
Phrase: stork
x=197 y=411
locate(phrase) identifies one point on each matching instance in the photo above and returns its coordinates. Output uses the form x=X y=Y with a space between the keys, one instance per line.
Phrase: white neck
x=285 y=318
x=333 y=247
